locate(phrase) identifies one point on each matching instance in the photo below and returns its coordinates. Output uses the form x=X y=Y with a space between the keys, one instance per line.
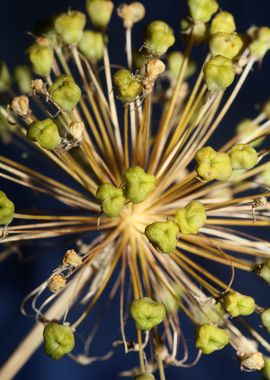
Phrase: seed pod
x=100 y=12
x=159 y=37
x=225 y=44
x=211 y=338
x=265 y=317
x=175 y=61
x=126 y=86
x=198 y=29
x=58 y=340
x=145 y=376
x=65 y=93
x=219 y=73
x=70 y=26
x=261 y=42
x=264 y=271
x=223 y=22
x=147 y=313
x=23 y=77
x=246 y=130
x=210 y=313
x=163 y=235
x=253 y=361
x=57 y=283
x=202 y=10
x=213 y=165
x=71 y=258
x=41 y=58
x=138 y=184
x=111 y=198
x=266 y=369
x=191 y=218
x=131 y=13
x=243 y=157
x=45 y=132
x=238 y=304
x=92 y=45
x=7 y=209
x=168 y=298
x=5 y=78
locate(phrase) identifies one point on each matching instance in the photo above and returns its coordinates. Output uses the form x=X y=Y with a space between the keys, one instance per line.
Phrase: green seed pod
x=159 y=37
x=7 y=209
x=246 y=129
x=163 y=235
x=238 y=304
x=213 y=165
x=265 y=317
x=243 y=157
x=23 y=78
x=223 y=22
x=266 y=369
x=41 y=58
x=58 y=340
x=5 y=78
x=140 y=58
x=45 y=132
x=65 y=93
x=126 y=86
x=147 y=313
x=261 y=42
x=92 y=45
x=70 y=26
x=191 y=217
x=264 y=272
x=145 y=376
x=100 y=12
x=202 y=10
x=219 y=73
x=199 y=29
x=211 y=338
x=169 y=300
x=112 y=199
x=226 y=45
x=138 y=184
x=175 y=61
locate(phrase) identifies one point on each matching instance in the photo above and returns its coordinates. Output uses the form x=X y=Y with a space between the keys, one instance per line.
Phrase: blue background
x=17 y=278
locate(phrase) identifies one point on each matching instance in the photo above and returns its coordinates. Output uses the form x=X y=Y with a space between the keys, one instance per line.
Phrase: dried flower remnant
x=152 y=190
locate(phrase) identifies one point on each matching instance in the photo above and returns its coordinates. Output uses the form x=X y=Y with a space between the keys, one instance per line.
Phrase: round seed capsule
x=175 y=61
x=41 y=58
x=138 y=184
x=58 y=340
x=71 y=258
x=131 y=13
x=238 y=304
x=202 y=10
x=147 y=313
x=163 y=235
x=264 y=272
x=7 y=209
x=45 y=132
x=126 y=86
x=70 y=26
x=23 y=77
x=260 y=42
x=266 y=369
x=265 y=317
x=222 y=22
x=111 y=198
x=191 y=218
x=159 y=37
x=243 y=157
x=5 y=77
x=225 y=44
x=213 y=165
x=210 y=338
x=100 y=12
x=219 y=73
x=92 y=45
x=65 y=93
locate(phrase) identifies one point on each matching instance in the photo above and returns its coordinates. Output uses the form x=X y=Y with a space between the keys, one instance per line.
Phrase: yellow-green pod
x=243 y=156
x=23 y=77
x=100 y=12
x=147 y=313
x=7 y=209
x=126 y=86
x=202 y=10
x=223 y=22
x=65 y=93
x=44 y=132
x=225 y=44
x=213 y=165
x=41 y=58
x=163 y=235
x=159 y=37
x=239 y=304
x=210 y=338
x=219 y=73
x=111 y=198
x=191 y=218
x=92 y=45
x=58 y=340
x=70 y=26
x=5 y=77
x=266 y=369
x=175 y=61
x=138 y=184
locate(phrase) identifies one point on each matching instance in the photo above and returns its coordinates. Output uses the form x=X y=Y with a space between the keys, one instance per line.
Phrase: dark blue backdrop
x=17 y=278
